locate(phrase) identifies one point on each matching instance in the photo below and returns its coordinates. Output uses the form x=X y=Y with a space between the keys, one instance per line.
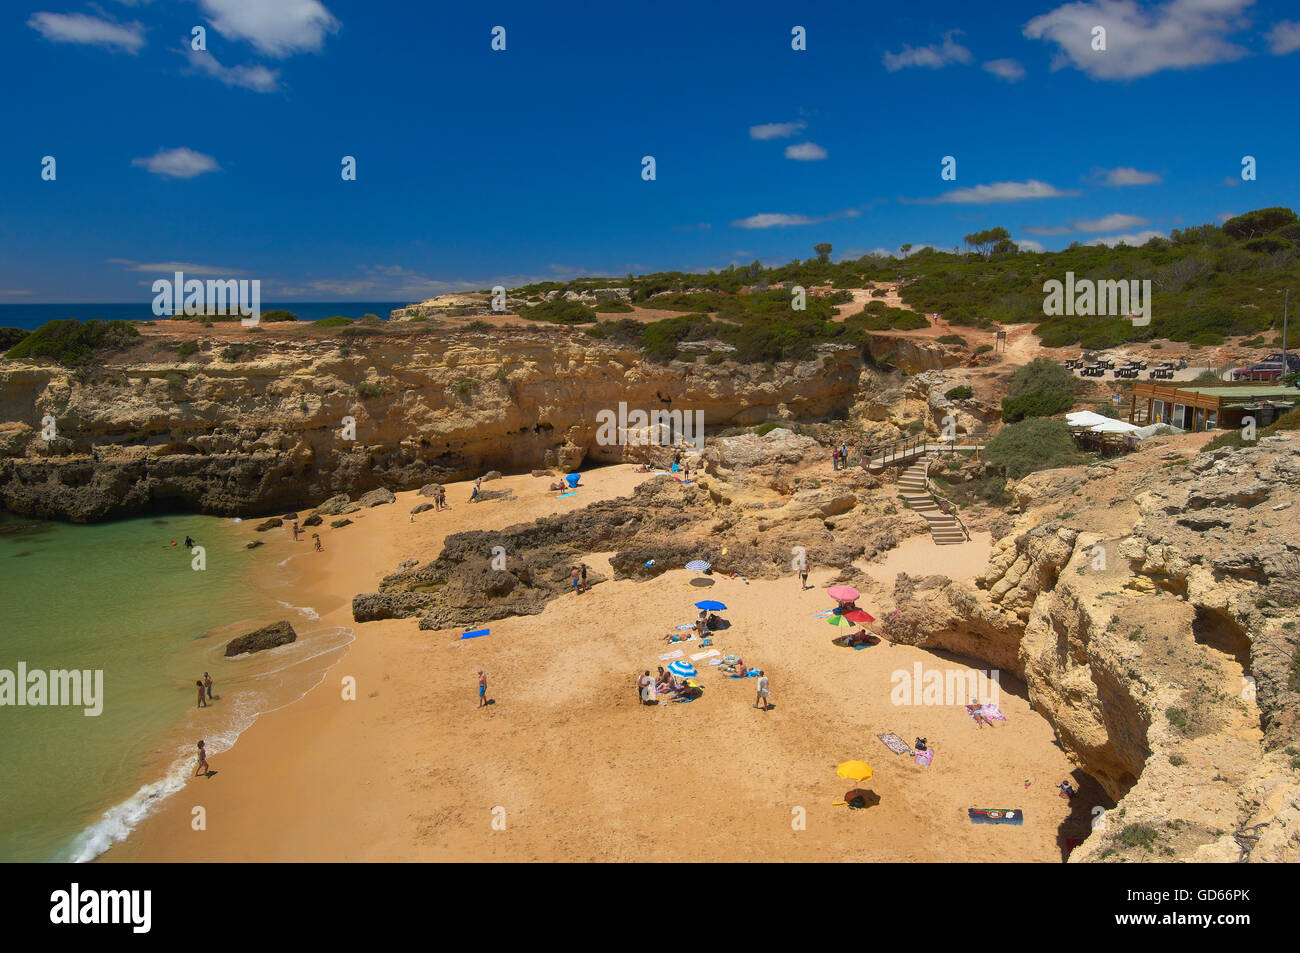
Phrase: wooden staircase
x=946 y=529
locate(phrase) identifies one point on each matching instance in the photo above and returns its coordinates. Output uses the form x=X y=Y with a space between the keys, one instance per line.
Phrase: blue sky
x=477 y=167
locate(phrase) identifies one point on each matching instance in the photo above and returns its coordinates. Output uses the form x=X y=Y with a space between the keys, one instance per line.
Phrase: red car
x=1269 y=369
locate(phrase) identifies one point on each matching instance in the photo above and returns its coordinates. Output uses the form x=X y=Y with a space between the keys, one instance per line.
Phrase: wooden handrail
x=952 y=511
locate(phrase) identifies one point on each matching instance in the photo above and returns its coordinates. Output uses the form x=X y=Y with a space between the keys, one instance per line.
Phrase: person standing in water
x=189 y=543
x=203 y=702
x=202 y=767
x=207 y=684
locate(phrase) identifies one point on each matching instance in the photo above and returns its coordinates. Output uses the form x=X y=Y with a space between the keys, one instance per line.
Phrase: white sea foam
x=120 y=820
x=307 y=612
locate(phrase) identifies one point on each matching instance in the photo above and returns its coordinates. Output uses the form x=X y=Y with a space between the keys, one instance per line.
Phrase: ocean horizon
x=28 y=317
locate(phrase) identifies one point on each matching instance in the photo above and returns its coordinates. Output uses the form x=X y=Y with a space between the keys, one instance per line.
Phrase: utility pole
x=1286 y=311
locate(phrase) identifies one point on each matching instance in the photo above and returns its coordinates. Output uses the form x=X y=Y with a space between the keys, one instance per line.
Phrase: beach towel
x=709 y=654
x=987 y=816
x=475 y=634
x=570 y=493
x=923 y=758
x=750 y=674
x=685 y=625
x=678 y=653
x=895 y=743
x=990 y=712
x=824 y=614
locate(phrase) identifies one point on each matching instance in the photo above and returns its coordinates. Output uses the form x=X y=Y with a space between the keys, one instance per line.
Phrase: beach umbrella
x=684 y=669
x=711 y=604
x=697 y=565
x=573 y=478
x=857 y=615
x=843 y=593
x=855 y=771
x=839 y=620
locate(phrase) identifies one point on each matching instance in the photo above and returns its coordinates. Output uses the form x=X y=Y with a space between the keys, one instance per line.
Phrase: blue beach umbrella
x=573 y=478
x=697 y=565
x=711 y=604
x=682 y=668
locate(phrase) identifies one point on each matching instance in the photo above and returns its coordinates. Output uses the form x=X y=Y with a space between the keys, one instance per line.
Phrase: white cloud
x=277 y=28
x=1177 y=34
x=1010 y=70
x=1284 y=38
x=1028 y=244
x=932 y=57
x=775 y=130
x=805 y=152
x=178 y=163
x=168 y=267
x=1049 y=230
x=88 y=30
x=1141 y=238
x=1127 y=175
x=779 y=220
x=1110 y=223
x=257 y=78
x=999 y=192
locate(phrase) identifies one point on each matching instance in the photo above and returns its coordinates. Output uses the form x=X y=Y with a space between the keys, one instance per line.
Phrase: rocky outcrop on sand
x=1157 y=630
x=267 y=637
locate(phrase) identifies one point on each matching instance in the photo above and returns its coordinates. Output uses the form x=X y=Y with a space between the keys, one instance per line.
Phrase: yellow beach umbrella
x=855 y=771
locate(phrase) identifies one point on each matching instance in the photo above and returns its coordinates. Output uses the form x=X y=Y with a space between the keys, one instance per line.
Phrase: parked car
x=1269 y=369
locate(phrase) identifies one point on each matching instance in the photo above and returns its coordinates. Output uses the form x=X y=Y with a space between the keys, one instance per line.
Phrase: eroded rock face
x=267 y=637
x=263 y=435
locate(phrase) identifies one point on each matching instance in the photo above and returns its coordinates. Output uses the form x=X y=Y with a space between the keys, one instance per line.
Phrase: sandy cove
x=412 y=769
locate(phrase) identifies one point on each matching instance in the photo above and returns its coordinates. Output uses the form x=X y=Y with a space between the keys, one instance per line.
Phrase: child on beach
x=482 y=689
x=319 y=547
x=801 y=567
x=202 y=766
x=203 y=703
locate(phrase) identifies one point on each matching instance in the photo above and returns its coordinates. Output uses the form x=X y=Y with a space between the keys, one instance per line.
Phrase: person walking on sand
x=319 y=547
x=835 y=458
x=207 y=684
x=482 y=689
x=202 y=767
x=763 y=692
x=643 y=687
x=583 y=567
x=576 y=575
x=844 y=456
x=801 y=567
x=296 y=531
x=203 y=702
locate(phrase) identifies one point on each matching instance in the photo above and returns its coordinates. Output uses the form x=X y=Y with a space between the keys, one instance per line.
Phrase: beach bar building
x=1194 y=407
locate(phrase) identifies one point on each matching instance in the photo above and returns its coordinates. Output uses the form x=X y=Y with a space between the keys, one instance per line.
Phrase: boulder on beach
x=430 y=489
x=332 y=507
x=272 y=523
x=421 y=508
x=289 y=517
x=253 y=544
x=339 y=524
x=267 y=637
x=313 y=520
x=492 y=475
x=376 y=497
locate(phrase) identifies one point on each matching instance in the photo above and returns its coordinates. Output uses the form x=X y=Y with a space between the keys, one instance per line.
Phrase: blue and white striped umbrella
x=697 y=565
x=682 y=668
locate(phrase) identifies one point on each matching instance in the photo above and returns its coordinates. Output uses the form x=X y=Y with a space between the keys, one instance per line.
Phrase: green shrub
x=278 y=314
x=186 y=349
x=764 y=429
x=72 y=343
x=560 y=312
x=960 y=392
x=11 y=336
x=613 y=306
x=338 y=321
x=1037 y=443
x=368 y=389
x=983 y=348
x=951 y=339
x=234 y=352
x=1040 y=403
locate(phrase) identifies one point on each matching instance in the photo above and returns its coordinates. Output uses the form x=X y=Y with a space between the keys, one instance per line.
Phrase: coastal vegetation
x=73 y=343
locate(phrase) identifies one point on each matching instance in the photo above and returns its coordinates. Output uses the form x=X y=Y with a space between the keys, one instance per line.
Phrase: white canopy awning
x=1085 y=418
x=1115 y=426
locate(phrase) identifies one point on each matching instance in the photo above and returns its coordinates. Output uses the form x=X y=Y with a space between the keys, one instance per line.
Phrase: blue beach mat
x=475 y=634
x=570 y=493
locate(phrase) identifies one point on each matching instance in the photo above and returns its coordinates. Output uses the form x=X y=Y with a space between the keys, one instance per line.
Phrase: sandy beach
x=566 y=764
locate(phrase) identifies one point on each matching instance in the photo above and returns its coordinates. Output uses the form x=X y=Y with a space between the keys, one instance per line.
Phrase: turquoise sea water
x=119 y=598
